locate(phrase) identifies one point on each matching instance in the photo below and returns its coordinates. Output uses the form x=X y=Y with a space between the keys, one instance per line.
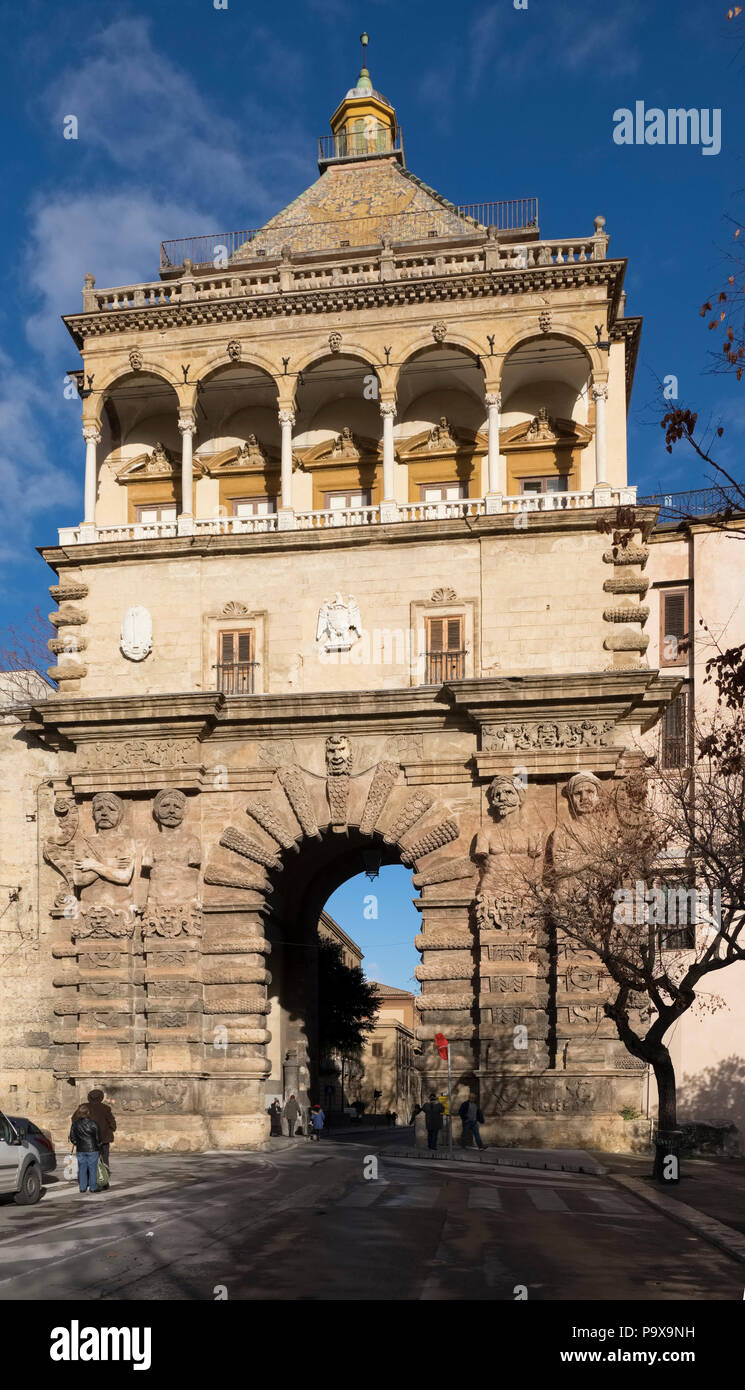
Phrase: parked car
x=40 y=1138
x=20 y=1169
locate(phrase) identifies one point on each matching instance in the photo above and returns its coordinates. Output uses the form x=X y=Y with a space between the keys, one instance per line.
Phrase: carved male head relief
x=584 y=792
x=338 y=754
x=504 y=797
x=169 y=807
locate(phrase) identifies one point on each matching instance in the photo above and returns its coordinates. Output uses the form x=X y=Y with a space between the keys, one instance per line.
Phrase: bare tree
x=629 y=885
x=24 y=658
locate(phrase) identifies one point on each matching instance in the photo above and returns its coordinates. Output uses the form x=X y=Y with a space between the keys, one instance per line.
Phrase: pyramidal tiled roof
x=359 y=203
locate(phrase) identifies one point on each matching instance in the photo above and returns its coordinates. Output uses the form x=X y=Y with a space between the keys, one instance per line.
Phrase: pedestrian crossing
x=507 y=1199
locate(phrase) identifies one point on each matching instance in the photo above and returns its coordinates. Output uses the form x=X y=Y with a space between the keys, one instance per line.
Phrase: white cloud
x=115 y=235
x=31 y=483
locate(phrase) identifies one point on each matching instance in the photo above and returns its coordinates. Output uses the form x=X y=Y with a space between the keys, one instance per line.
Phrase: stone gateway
x=359 y=622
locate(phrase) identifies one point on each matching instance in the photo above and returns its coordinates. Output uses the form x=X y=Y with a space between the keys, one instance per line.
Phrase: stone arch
x=464 y=342
x=318 y=353
x=314 y=826
x=569 y=333
x=123 y=368
x=250 y=357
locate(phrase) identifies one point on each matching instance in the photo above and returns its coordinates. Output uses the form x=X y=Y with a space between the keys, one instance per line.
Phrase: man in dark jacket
x=471 y=1117
x=433 y=1113
x=87 y=1140
x=275 y=1117
x=104 y=1118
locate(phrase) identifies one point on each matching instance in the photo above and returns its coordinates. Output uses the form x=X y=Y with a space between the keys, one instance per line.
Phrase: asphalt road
x=305 y=1223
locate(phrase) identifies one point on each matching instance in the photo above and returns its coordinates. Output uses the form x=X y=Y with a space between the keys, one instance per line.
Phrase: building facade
x=341 y=586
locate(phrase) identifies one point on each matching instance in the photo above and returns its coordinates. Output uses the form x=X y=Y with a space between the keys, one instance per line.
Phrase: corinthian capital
x=494 y=398
x=388 y=408
x=92 y=432
x=600 y=392
x=186 y=423
x=286 y=417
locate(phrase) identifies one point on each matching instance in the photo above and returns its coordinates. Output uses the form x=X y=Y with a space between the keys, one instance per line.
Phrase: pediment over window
x=442 y=440
x=542 y=431
x=346 y=447
x=253 y=456
x=158 y=462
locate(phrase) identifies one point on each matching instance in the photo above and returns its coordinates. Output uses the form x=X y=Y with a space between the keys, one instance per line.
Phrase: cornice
x=381 y=534
x=389 y=293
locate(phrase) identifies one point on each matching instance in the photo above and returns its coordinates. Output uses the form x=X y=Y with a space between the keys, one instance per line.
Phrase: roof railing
x=218 y=250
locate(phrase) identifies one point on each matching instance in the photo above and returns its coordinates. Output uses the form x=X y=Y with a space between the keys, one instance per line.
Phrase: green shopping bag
x=102 y=1173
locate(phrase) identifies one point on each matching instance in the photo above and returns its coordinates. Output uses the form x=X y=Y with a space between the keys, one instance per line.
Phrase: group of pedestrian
x=470 y=1116
x=291 y=1113
x=92 y=1130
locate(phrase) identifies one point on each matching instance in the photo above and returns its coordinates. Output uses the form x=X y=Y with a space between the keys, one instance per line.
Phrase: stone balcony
x=335 y=268
x=464 y=508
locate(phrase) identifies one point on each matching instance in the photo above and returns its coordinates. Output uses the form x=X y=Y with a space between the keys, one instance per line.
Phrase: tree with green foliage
x=347 y=1003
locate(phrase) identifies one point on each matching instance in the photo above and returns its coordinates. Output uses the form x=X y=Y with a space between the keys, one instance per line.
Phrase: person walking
x=104 y=1118
x=433 y=1113
x=84 y=1135
x=275 y=1117
x=317 y=1120
x=471 y=1117
x=291 y=1112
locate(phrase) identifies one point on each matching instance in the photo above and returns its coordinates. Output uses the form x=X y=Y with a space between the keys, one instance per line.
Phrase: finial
x=364 y=40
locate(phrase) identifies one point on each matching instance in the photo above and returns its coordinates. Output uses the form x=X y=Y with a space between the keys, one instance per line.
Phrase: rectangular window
x=442 y=492
x=236 y=665
x=156 y=511
x=673 y=626
x=678 y=932
x=253 y=506
x=340 y=501
x=445 y=650
x=552 y=484
x=674 y=749
x=377 y=1049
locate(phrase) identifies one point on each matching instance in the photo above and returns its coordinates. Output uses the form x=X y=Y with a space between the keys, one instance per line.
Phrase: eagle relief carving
x=339 y=624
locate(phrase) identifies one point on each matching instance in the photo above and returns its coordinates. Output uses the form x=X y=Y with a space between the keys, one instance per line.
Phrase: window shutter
x=675 y=616
x=226 y=644
x=436 y=634
x=245 y=646
x=453 y=634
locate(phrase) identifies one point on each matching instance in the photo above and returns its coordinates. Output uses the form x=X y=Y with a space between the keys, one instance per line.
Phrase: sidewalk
x=709 y=1199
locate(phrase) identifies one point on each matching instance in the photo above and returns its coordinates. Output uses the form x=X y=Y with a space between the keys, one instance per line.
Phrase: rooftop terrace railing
x=218 y=250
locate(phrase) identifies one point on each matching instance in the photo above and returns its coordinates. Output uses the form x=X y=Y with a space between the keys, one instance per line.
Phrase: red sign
x=441 y=1043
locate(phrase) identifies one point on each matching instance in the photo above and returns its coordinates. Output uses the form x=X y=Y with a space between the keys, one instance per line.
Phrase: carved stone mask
x=338 y=754
x=107 y=811
x=169 y=807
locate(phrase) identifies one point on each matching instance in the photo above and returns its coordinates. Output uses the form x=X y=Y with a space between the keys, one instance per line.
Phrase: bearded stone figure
x=103 y=874
x=508 y=854
x=173 y=857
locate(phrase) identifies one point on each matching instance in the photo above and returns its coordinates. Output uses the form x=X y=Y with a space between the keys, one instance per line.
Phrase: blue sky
x=196 y=119
x=379 y=914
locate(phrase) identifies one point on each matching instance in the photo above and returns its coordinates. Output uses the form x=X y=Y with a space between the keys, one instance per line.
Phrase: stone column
x=600 y=397
x=92 y=437
x=388 y=507
x=497 y=480
x=286 y=518
x=188 y=429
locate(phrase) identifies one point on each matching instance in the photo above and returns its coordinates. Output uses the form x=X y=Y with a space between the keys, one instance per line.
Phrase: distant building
x=388 y=1057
